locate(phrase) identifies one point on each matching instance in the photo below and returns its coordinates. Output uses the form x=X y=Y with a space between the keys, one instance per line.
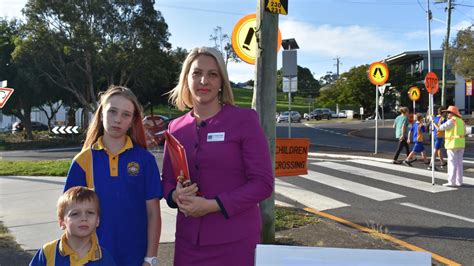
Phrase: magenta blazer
x=230 y=161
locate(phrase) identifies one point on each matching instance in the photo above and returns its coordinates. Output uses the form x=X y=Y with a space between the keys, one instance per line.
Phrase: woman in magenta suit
x=229 y=164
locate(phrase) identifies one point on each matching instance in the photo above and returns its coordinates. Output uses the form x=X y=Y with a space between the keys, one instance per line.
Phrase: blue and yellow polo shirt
x=417 y=130
x=123 y=182
x=58 y=253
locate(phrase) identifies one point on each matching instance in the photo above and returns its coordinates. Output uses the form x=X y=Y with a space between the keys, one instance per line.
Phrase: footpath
x=27 y=208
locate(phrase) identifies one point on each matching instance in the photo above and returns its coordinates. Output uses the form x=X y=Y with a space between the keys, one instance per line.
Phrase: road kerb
x=383 y=236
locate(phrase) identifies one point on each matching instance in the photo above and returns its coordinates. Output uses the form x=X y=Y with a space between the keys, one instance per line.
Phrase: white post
x=289 y=109
x=376 y=116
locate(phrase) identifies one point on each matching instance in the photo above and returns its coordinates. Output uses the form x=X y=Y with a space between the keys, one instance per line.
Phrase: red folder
x=178 y=158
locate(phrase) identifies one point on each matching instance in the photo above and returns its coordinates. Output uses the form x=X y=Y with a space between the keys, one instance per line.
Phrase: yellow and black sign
x=414 y=94
x=378 y=73
x=291 y=156
x=277 y=6
x=244 y=40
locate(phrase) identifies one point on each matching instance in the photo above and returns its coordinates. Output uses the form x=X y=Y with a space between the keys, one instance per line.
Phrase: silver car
x=295 y=117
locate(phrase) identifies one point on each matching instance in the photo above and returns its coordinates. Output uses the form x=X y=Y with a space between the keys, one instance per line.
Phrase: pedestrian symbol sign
x=378 y=73
x=244 y=39
x=5 y=93
x=414 y=94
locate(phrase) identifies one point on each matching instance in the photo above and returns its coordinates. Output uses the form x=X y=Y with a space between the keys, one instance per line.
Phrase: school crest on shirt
x=133 y=168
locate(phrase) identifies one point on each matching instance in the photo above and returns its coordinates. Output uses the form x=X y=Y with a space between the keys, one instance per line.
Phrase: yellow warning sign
x=414 y=94
x=244 y=40
x=277 y=6
x=378 y=73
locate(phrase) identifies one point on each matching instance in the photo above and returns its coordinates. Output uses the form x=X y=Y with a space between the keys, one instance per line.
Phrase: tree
x=25 y=82
x=328 y=78
x=462 y=53
x=223 y=43
x=353 y=88
x=92 y=44
x=307 y=84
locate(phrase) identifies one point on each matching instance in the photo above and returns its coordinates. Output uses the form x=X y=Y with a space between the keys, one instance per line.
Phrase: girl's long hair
x=96 y=127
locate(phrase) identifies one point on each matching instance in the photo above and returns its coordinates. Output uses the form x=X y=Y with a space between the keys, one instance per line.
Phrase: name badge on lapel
x=214 y=137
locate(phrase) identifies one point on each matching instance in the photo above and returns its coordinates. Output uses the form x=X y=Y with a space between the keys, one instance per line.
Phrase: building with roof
x=416 y=64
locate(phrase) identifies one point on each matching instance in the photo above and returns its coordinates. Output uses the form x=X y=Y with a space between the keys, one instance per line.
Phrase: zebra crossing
x=332 y=173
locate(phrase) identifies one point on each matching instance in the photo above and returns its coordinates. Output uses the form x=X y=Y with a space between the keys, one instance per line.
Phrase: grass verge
x=288 y=218
x=35 y=168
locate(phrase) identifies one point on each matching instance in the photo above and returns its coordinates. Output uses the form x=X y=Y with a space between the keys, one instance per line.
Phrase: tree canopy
x=462 y=53
x=90 y=45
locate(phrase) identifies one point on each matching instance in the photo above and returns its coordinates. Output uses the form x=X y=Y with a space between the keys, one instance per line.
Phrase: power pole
x=445 y=56
x=264 y=101
x=337 y=65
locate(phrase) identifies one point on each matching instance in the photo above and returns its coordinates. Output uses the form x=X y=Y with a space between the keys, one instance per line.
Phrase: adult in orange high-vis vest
x=454 y=144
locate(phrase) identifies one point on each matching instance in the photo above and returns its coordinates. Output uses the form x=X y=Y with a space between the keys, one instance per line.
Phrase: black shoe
x=444 y=164
x=396 y=162
x=429 y=168
x=427 y=162
x=405 y=162
x=414 y=160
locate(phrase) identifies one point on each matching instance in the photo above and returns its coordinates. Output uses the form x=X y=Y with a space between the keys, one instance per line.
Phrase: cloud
x=351 y=42
x=240 y=72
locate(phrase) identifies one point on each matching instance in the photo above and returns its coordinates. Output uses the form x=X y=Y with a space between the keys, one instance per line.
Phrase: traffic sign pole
x=376 y=116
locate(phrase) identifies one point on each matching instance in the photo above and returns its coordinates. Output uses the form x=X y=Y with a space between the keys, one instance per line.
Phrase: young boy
x=439 y=137
x=416 y=134
x=78 y=214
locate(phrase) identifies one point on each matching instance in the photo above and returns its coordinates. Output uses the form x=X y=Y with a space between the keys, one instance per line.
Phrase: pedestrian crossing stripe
x=307 y=198
x=393 y=179
x=352 y=187
x=413 y=170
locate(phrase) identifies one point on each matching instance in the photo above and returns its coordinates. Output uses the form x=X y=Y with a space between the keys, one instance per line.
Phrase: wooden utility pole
x=264 y=100
x=445 y=56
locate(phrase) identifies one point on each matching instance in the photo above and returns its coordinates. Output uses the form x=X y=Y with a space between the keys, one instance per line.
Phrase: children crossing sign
x=378 y=73
x=414 y=94
x=244 y=40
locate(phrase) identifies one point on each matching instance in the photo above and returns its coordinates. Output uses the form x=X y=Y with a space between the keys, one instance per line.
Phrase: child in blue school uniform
x=439 y=137
x=115 y=163
x=78 y=216
x=415 y=135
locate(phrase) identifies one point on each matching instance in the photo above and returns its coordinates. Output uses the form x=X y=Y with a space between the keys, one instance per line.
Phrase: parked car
x=35 y=126
x=295 y=117
x=320 y=113
x=333 y=114
x=155 y=127
x=342 y=114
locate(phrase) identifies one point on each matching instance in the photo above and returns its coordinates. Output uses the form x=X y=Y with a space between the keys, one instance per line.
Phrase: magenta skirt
x=239 y=253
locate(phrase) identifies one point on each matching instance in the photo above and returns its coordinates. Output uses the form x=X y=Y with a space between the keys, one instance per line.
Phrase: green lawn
x=243 y=98
x=35 y=168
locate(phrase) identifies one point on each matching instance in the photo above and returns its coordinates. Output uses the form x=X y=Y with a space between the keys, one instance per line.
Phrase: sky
x=355 y=31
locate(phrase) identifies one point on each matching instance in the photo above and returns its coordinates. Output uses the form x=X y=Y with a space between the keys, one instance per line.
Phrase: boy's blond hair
x=76 y=195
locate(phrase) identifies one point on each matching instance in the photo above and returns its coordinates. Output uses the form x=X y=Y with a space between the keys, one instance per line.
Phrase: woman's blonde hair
x=96 y=127
x=180 y=95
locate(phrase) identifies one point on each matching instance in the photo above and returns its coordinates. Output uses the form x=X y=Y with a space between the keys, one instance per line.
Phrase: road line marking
x=414 y=170
x=350 y=186
x=383 y=236
x=283 y=204
x=437 y=212
x=306 y=197
x=393 y=179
